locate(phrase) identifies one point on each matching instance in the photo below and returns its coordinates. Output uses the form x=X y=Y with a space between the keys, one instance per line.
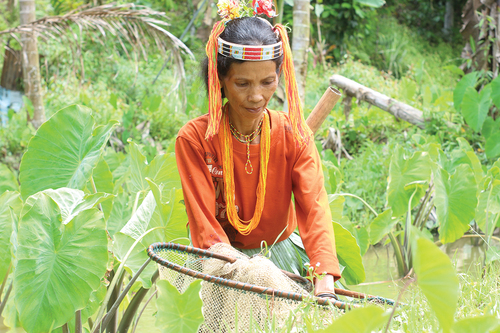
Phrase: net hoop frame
x=259 y=290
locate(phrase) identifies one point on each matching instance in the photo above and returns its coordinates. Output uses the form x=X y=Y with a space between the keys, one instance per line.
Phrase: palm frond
x=128 y=21
x=129 y=24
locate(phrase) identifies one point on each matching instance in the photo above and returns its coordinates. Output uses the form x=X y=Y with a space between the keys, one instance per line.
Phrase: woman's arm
x=199 y=194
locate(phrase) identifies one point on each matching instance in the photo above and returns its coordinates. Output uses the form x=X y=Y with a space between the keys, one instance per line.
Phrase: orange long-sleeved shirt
x=291 y=169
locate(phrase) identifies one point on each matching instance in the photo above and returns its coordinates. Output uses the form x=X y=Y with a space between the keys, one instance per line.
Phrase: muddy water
x=381 y=276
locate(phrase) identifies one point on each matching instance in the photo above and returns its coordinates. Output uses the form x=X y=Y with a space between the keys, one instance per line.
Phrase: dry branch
x=398 y=109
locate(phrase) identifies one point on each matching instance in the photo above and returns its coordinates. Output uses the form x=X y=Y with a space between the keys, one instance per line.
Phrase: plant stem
x=5 y=279
x=439 y=243
x=134 y=304
x=104 y=304
x=136 y=202
x=143 y=308
x=111 y=327
x=5 y=299
x=399 y=256
x=65 y=328
x=115 y=306
x=397 y=303
x=94 y=188
x=78 y=321
x=355 y=196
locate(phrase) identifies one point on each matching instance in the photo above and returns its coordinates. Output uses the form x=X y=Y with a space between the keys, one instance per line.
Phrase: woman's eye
x=242 y=84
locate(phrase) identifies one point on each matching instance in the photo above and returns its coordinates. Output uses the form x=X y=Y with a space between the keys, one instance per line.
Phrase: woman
x=240 y=163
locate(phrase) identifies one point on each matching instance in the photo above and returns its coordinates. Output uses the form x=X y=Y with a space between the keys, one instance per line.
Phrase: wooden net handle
x=323 y=108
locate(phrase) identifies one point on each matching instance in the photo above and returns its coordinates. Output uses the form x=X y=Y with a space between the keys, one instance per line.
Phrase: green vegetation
x=86 y=194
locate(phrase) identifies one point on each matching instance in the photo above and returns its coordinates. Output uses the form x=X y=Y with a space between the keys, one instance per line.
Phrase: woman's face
x=248 y=87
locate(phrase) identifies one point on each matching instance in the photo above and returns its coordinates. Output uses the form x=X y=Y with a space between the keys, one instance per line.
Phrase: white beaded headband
x=249 y=52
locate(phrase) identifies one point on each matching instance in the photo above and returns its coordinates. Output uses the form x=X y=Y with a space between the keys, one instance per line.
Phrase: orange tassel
x=214 y=94
x=301 y=132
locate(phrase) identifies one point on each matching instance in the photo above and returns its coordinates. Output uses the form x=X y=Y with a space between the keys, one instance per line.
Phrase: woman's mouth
x=254 y=110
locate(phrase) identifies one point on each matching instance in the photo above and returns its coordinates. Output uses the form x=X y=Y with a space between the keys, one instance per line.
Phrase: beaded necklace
x=247 y=139
x=226 y=144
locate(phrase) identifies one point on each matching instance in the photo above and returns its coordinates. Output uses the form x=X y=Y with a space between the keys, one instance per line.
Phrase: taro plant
x=479 y=109
x=74 y=235
x=428 y=189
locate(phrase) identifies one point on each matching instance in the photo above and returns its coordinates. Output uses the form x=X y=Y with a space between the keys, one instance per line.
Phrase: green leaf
x=437 y=280
x=361 y=320
x=333 y=177
x=468 y=80
x=381 y=226
x=71 y=202
x=475 y=107
x=120 y=214
x=495 y=91
x=403 y=171
x=362 y=238
x=103 y=180
x=63 y=151
x=455 y=200
x=490 y=127
x=8 y=200
x=58 y=265
x=492 y=147
x=479 y=324
x=162 y=170
x=349 y=255
x=179 y=312
x=169 y=219
x=488 y=207
x=8 y=181
x=372 y=3
x=336 y=203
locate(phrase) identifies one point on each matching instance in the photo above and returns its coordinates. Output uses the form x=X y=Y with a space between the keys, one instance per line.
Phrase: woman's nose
x=255 y=96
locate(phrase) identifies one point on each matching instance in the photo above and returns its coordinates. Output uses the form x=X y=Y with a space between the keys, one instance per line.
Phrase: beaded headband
x=249 y=52
x=229 y=10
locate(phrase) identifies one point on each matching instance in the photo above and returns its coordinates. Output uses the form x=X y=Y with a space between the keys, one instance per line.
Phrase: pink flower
x=264 y=7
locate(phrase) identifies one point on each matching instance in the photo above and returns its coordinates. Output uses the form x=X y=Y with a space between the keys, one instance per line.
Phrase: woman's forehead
x=253 y=69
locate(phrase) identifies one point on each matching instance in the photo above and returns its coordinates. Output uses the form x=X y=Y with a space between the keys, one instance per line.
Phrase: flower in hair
x=264 y=7
x=228 y=9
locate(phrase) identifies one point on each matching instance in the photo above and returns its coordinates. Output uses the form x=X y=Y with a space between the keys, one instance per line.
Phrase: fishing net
x=238 y=292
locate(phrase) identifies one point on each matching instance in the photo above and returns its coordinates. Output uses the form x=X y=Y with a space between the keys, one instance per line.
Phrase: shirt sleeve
x=313 y=212
x=199 y=194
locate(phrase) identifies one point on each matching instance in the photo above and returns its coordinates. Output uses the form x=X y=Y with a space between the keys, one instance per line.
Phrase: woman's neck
x=245 y=125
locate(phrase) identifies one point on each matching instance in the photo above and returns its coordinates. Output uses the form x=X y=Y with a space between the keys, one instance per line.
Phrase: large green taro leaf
x=162 y=170
x=362 y=320
x=488 y=207
x=467 y=81
x=349 y=255
x=455 y=200
x=8 y=181
x=63 y=151
x=381 y=226
x=403 y=171
x=103 y=180
x=475 y=107
x=8 y=201
x=437 y=280
x=479 y=324
x=120 y=214
x=58 y=265
x=492 y=146
x=166 y=222
x=180 y=313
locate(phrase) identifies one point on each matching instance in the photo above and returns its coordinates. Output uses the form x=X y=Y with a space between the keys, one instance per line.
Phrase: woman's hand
x=325 y=287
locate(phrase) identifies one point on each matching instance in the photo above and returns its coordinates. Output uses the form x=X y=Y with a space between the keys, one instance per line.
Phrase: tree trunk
x=397 y=109
x=300 y=43
x=448 y=20
x=31 y=66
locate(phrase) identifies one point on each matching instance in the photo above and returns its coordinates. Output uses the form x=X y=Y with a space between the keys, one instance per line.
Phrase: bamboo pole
x=398 y=109
x=323 y=108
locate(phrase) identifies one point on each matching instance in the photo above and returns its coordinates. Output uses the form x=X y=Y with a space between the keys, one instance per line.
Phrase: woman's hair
x=246 y=31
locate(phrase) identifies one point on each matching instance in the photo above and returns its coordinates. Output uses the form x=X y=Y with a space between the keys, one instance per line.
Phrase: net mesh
x=228 y=309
